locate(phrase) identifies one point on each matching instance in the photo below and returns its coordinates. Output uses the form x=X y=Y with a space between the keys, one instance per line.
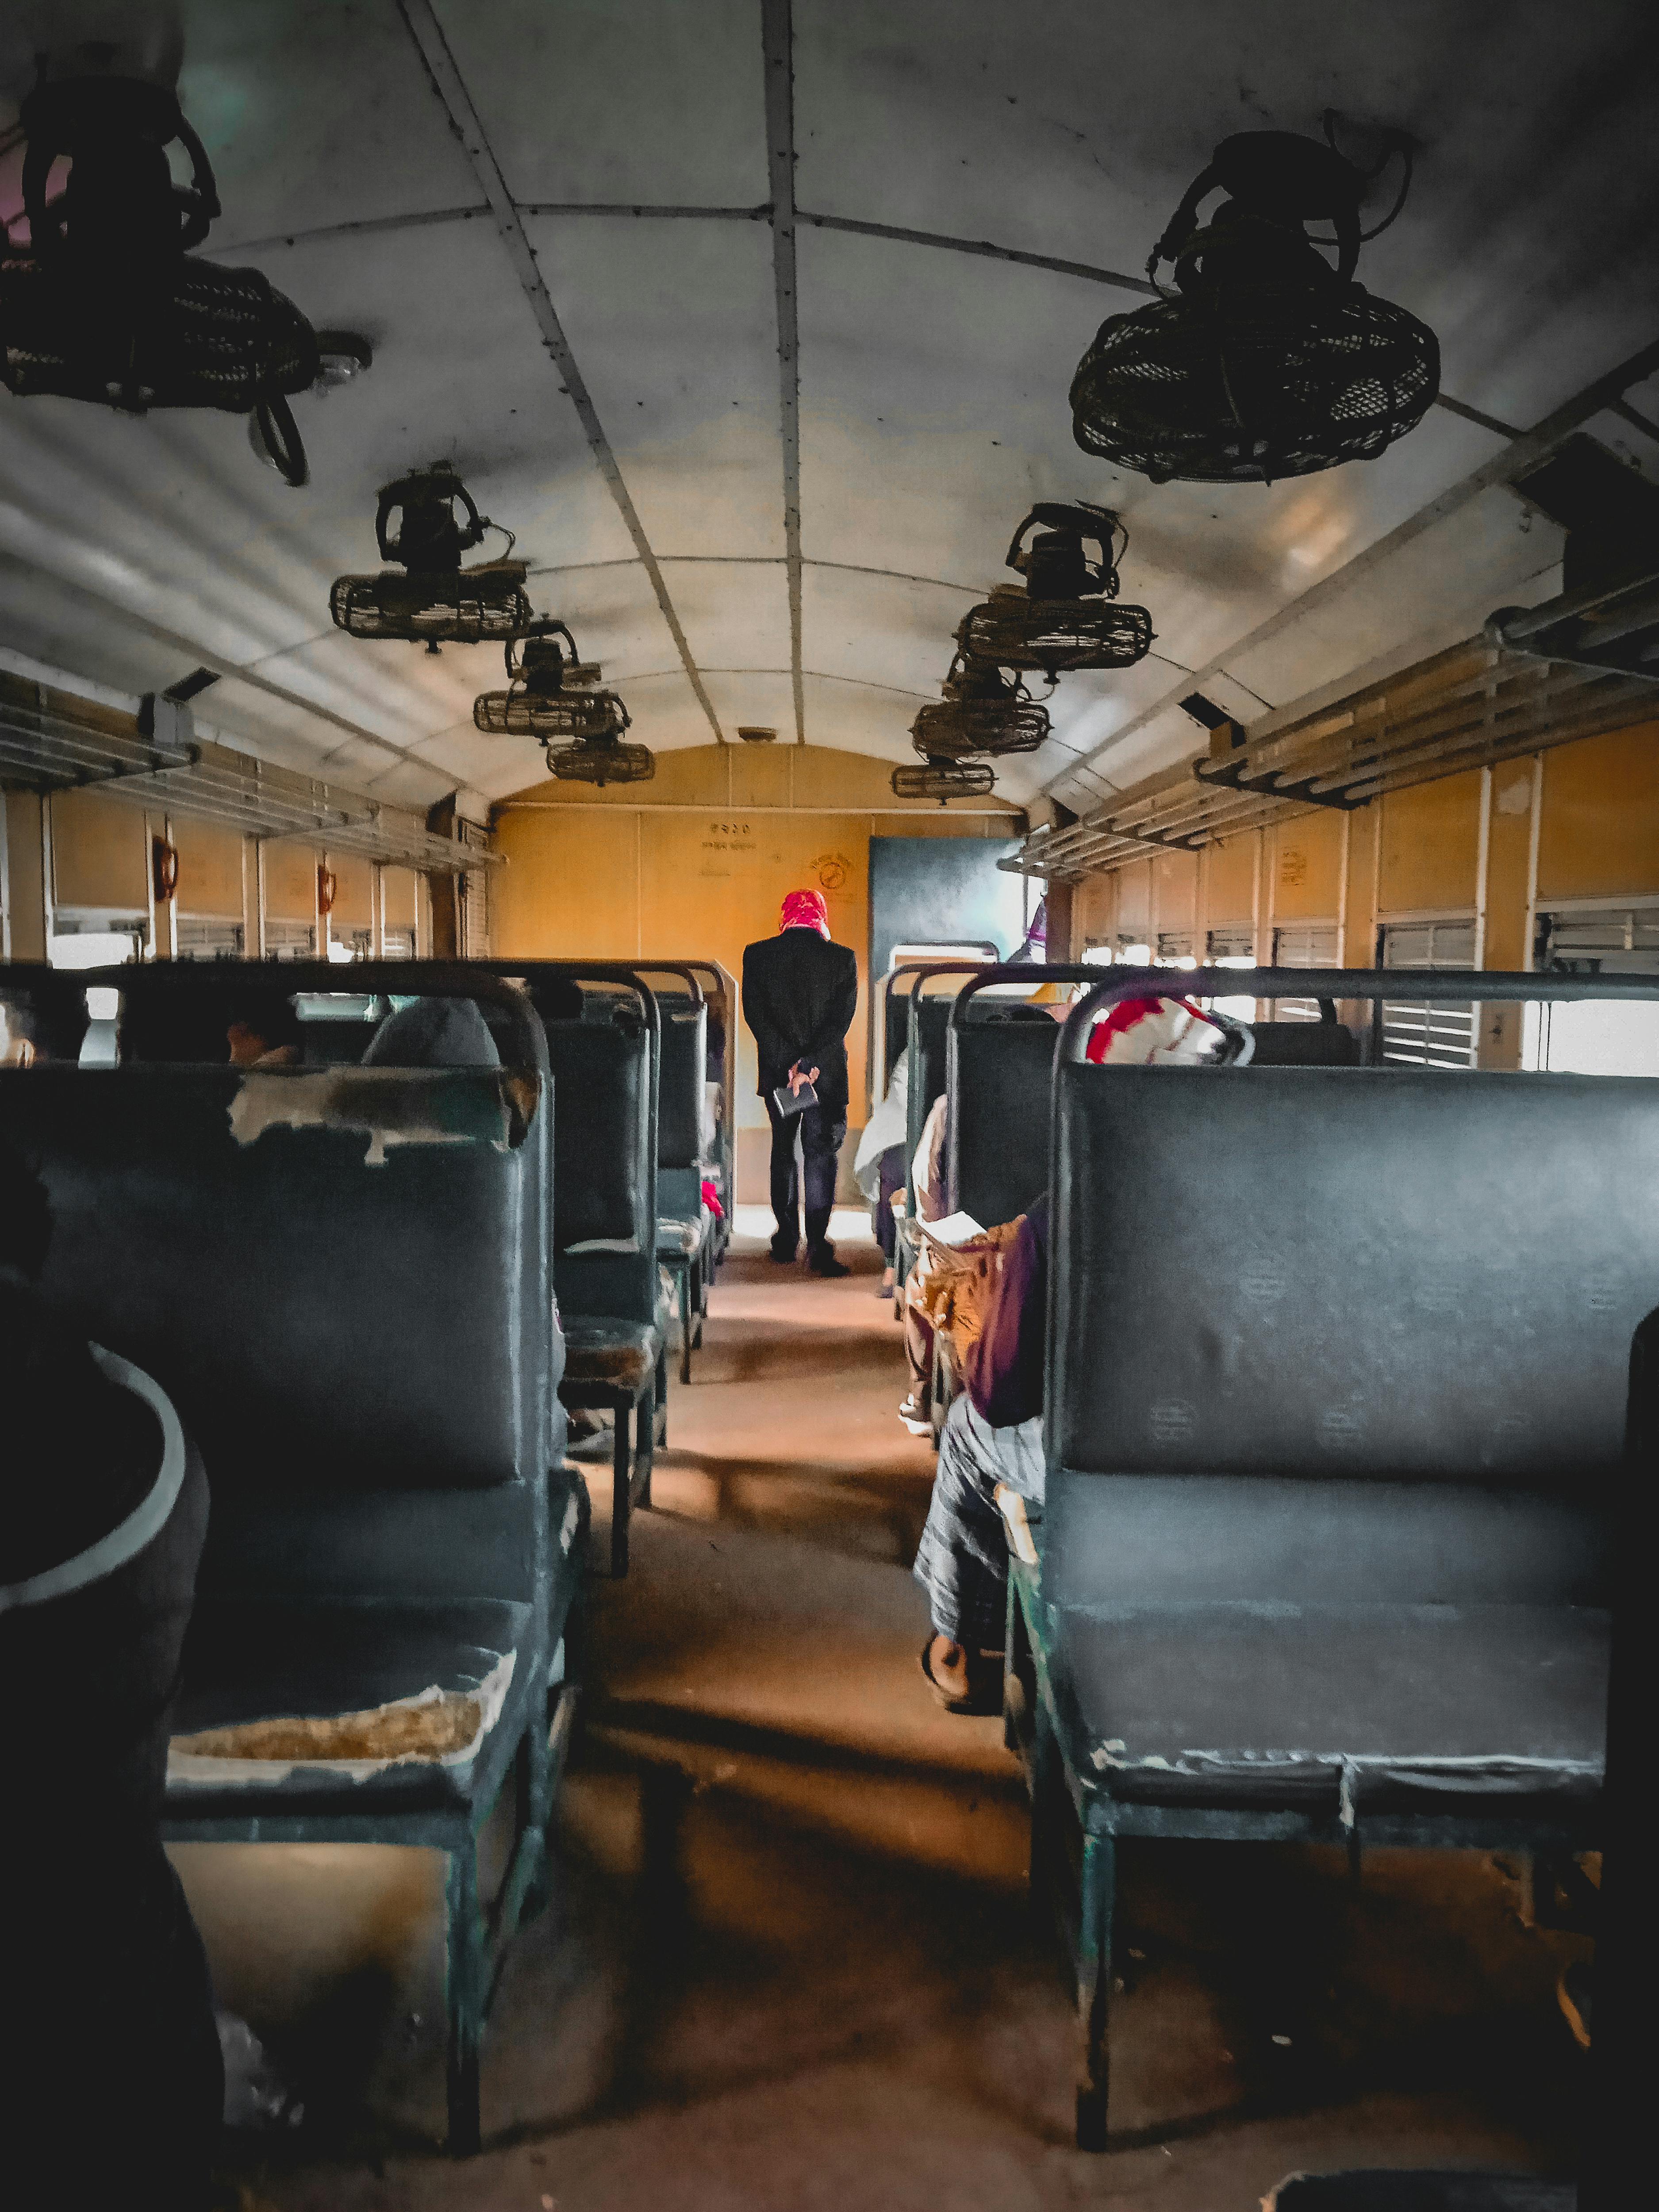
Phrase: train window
x=1592 y=1037
x=1412 y=1034
x=1310 y=945
x=101 y=1046
x=96 y=940
x=206 y=937
x=290 y=940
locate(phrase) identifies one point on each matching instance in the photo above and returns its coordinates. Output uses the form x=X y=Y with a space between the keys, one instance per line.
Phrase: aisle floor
x=790 y=1962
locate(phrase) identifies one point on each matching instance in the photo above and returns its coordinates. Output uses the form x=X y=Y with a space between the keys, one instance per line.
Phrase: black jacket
x=800 y=994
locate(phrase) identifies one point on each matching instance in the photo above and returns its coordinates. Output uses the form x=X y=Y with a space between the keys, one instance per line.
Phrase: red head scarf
x=805 y=910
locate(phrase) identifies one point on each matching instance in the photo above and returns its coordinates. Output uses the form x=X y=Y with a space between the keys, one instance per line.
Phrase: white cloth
x=884 y=1129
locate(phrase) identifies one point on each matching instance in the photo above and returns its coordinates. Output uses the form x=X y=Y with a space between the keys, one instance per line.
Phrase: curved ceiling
x=756 y=323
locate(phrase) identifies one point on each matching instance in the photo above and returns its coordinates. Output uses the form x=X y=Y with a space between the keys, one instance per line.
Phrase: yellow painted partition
x=699 y=865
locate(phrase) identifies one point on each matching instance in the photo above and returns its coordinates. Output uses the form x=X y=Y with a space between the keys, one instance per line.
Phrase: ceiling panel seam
x=1521 y=454
x=641 y=209
x=451 y=88
x=778 y=60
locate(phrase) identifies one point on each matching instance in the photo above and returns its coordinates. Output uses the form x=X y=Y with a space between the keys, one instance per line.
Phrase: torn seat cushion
x=1395 y=1708
x=250 y=1661
x=678 y=1240
x=617 y=1355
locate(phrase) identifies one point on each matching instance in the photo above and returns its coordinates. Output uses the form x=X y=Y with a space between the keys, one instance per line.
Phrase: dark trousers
x=892 y=1179
x=821 y=1139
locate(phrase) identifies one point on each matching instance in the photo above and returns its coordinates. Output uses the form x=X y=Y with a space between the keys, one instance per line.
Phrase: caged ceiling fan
x=602 y=760
x=1068 y=615
x=945 y=779
x=1266 y=361
x=551 y=692
x=435 y=601
x=983 y=711
x=107 y=302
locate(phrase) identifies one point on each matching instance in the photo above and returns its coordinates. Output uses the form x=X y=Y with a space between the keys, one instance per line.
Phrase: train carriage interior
x=829 y=1104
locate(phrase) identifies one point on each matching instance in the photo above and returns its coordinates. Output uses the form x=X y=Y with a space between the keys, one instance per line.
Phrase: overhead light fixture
x=551 y=693
x=601 y=759
x=752 y=734
x=1266 y=361
x=106 y=303
x=944 y=779
x=1068 y=616
x=435 y=601
x=983 y=711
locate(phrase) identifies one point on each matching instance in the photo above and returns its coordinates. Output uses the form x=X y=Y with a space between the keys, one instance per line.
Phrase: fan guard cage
x=942 y=779
x=519 y=713
x=206 y=337
x=444 y=606
x=1056 y=636
x=956 y=729
x=1277 y=387
x=602 y=760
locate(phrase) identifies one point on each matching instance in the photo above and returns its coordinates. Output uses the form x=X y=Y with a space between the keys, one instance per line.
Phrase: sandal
x=984 y=1698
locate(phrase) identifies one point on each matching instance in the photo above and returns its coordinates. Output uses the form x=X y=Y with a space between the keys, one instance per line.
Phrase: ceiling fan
x=1068 y=615
x=1265 y=361
x=435 y=601
x=107 y=302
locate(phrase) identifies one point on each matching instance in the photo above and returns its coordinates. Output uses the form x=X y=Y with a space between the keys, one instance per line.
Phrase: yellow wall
x=209 y=868
x=354 y=893
x=99 y=853
x=1600 y=828
x=684 y=867
x=25 y=890
x=290 y=881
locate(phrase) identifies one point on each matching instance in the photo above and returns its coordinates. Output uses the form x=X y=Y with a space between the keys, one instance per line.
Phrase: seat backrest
x=1303 y=1044
x=999 y=1078
x=604 y=1171
x=340 y=1279
x=927 y=1020
x=1342 y=1333
x=680 y=1101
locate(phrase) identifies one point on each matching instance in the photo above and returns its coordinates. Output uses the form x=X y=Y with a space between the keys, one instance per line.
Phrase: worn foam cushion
x=1338 y=1706
x=247 y=1662
x=678 y=1239
x=618 y=1354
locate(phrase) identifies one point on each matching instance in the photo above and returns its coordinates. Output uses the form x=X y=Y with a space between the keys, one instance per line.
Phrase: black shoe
x=823 y=1261
x=783 y=1249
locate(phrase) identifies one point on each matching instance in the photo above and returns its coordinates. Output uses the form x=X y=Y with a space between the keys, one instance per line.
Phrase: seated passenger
x=112 y=2086
x=993 y=1436
x=879 y=1166
x=264 y=1029
x=434 y=1033
x=16 y=1036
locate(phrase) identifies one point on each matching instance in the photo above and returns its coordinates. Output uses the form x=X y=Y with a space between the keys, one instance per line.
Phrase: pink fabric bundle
x=1140 y=1031
x=805 y=910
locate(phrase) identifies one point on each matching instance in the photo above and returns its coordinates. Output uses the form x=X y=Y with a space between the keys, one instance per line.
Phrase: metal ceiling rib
x=451 y=88
x=44 y=748
x=778 y=41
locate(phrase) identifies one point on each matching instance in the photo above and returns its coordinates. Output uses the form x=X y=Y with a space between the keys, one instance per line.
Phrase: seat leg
x=620 y=1492
x=645 y=1425
x=662 y=1398
x=1094 y=1984
x=465 y=1994
x=684 y=1284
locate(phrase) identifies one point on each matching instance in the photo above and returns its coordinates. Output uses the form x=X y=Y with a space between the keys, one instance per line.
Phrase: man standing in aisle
x=800 y=994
